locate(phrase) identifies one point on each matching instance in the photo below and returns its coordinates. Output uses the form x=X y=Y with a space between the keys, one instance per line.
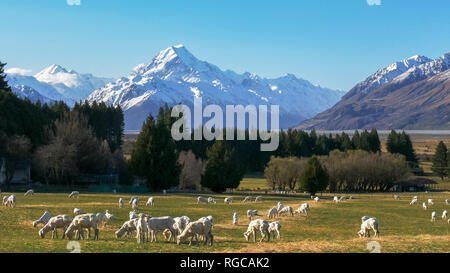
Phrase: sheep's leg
x=254 y=236
x=96 y=234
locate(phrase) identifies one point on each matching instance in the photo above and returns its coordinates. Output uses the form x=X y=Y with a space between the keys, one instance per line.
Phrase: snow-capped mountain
x=176 y=76
x=69 y=83
x=23 y=92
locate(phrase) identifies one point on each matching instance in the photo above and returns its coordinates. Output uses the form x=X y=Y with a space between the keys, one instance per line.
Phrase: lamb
x=150 y=202
x=444 y=214
x=103 y=218
x=447 y=201
x=29 y=192
x=304 y=208
x=211 y=200
x=247 y=199
x=396 y=197
x=317 y=199
x=135 y=204
x=228 y=200
x=59 y=221
x=133 y=198
x=258 y=198
x=254 y=226
x=336 y=199
x=273 y=212
x=79 y=222
x=275 y=227
x=74 y=194
x=43 y=220
x=413 y=201
x=202 y=200
x=367 y=225
x=433 y=216
x=128 y=227
x=430 y=202
x=424 y=206
x=141 y=229
x=285 y=210
x=235 y=218
x=132 y=215
x=77 y=211
x=121 y=203
x=10 y=201
x=251 y=213
x=201 y=227
x=156 y=224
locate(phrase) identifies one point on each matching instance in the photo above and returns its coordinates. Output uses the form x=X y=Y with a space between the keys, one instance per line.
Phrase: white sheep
x=251 y=213
x=317 y=199
x=77 y=211
x=447 y=201
x=29 y=192
x=364 y=218
x=367 y=225
x=280 y=206
x=287 y=210
x=433 y=216
x=424 y=205
x=43 y=219
x=304 y=208
x=156 y=224
x=336 y=199
x=59 y=221
x=275 y=227
x=196 y=229
x=80 y=222
x=150 y=202
x=396 y=197
x=228 y=200
x=121 y=203
x=430 y=202
x=5 y=198
x=74 y=194
x=132 y=215
x=273 y=212
x=202 y=199
x=254 y=226
x=133 y=198
x=141 y=228
x=247 y=199
x=258 y=198
x=211 y=200
x=414 y=201
x=10 y=201
x=444 y=214
x=135 y=204
x=179 y=226
x=127 y=228
x=104 y=218
x=235 y=218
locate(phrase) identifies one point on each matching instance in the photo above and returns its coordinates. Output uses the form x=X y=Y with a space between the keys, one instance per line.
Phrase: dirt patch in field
x=304 y=246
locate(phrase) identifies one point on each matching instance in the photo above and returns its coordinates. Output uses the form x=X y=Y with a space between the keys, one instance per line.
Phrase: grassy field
x=329 y=228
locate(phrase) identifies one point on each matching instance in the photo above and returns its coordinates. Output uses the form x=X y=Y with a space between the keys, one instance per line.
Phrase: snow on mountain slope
x=69 y=83
x=23 y=91
x=176 y=76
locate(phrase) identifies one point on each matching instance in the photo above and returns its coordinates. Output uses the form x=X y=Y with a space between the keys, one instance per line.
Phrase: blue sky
x=334 y=43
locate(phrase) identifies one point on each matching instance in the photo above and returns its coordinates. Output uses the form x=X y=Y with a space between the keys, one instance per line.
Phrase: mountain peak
x=53 y=69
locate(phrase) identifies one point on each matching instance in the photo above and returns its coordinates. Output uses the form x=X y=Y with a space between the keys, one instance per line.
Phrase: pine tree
x=440 y=161
x=223 y=169
x=314 y=178
x=392 y=142
x=3 y=83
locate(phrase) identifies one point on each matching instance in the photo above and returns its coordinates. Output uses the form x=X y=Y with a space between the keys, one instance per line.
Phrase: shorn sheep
x=317 y=199
x=304 y=208
x=247 y=199
x=121 y=203
x=150 y=202
x=254 y=226
x=280 y=206
x=74 y=194
x=235 y=218
x=336 y=199
x=228 y=200
x=127 y=228
x=252 y=213
x=132 y=215
x=10 y=201
x=275 y=227
x=444 y=214
x=367 y=225
x=433 y=216
x=424 y=205
x=135 y=204
x=60 y=221
x=201 y=227
x=414 y=201
x=202 y=199
x=447 y=201
x=132 y=198
x=286 y=210
x=29 y=192
x=156 y=224
x=211 y=200
x=273 y=212
x=80 y=222
x=430 y=202
x=141 y=228
x=258 y=198
x=396 y=197
x=179 y=226
x=77 y=211
x=43 y=219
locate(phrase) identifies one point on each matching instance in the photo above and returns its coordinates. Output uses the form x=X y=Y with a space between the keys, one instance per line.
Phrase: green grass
x=330 y=227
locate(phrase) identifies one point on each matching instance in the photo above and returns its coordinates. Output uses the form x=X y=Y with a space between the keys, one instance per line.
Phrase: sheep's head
x=119 y=233
x=179 y=239
x=41 y=233
x=35 y=223
x=247 y=235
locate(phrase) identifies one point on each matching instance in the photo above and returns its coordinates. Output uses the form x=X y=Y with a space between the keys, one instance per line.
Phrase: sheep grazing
x=247 y=199
x=447 y=201
x=202 y=199
x=150 y=202
x=433 y=216
x=444 y=214
x=430 y=202
x=179 y=226
x=304 y=208
x=287 y=210
x=317 y=199
x=135 y=204
x=336 y=199
x=127 y=228
x=254 y=226
x=121 y=203
x=74 y=194
x=211 y=200
x=343 y=198
x=43 y=220
x=77 y=211
x=396 y=197
x=258 y=198
x=132 y=215
x=273 y=212
x=364 y=218
x=414 y=201
x=201 y=227
x=424 y=206
x=235 y=218
x=252 y=213
x=60 y=221
x=10 y=201
x=133 y=198
x=228 y=200
x=29 y=192
x=80 y=222
x=275 y=227
x=367 y=225
x=280 y=206
x=141 y=229
x=104 y=218
x=156 y=224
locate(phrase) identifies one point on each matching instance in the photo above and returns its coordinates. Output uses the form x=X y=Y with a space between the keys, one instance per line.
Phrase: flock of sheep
x=180 y=229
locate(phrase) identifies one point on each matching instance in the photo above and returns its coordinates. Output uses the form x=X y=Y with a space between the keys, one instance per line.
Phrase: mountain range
x=409 y=94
